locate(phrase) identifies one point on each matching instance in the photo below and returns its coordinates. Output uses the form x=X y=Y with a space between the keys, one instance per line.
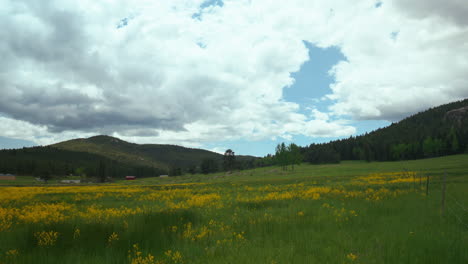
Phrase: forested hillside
x=49 y=162
x=105 y=156
x=156 y=155
x=436 y=132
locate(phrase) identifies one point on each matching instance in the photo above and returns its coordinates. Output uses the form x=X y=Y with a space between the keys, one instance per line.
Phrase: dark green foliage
x=175 y=171
x=249 y=164
x=150 y=155
x=266 y=161
x=102 y=173
x=104 y=157
x=44 y=172
x=209 y=166
x=281 y=156
x=436 y=132
x=229 y=160
x=324 y=153
x=452 y=141
x=295 y=155
x=192 y=169
x=432 y=147
x=288 y=155
x=48 y=162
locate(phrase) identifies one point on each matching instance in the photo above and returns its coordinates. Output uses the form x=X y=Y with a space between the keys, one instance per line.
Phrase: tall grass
x=348 y=213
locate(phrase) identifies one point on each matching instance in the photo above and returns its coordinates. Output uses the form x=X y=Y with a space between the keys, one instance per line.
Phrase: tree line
x=436 y=132
x=48 y=162
x=287 y=155
x=228 y=163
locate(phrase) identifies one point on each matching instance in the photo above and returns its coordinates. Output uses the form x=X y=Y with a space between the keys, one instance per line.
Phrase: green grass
x=404 y=228
x=455 y=166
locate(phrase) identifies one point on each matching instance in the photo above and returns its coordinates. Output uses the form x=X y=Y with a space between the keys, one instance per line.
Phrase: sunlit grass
x=349 y=213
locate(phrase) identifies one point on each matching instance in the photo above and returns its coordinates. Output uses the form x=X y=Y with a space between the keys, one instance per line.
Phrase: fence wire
x=460 y=220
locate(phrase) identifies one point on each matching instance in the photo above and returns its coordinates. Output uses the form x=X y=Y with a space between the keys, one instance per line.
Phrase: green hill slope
x=41 y=161
x=105 y=155
x=438 y=131
x=153 y=155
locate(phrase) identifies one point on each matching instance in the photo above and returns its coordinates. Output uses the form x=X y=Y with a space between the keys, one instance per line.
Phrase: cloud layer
x=186 y=72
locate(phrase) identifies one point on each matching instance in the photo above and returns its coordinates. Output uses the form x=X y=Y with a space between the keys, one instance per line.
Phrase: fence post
x=427 y=184
x=420 y=181
x=443 y=193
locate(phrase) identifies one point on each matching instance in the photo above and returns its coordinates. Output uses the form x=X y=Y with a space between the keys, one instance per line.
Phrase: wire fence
x=458 y=217
x=457 y=202
x=455 y=206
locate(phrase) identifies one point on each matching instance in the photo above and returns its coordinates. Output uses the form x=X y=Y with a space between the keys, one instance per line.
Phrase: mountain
x=442 y=130
x=109 y=156
x=438 y=131
x=50 y=161
x=152 y=155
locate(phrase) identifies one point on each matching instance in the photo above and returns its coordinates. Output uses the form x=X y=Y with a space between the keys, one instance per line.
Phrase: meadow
x=353 y=212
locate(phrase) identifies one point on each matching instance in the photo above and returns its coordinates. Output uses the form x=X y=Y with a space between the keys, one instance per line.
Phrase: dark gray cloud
x=454 y=10
x=50 y=60
x=61 y=109
x=68 y=68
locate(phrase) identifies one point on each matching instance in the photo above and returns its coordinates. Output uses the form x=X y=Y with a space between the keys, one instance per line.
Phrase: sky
x=239 y=74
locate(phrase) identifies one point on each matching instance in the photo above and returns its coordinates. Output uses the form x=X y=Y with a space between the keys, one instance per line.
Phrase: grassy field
x=354 y=212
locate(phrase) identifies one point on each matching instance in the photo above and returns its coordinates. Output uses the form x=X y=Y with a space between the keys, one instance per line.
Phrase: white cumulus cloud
x=177 y=72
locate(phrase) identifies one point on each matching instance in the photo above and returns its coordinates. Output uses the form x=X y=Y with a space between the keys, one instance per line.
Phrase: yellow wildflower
x=46 y=238
x=174 y=256
x=135 y=257
x=351 y=256
x=112 y=238
x=12 y=253
x=76 y=233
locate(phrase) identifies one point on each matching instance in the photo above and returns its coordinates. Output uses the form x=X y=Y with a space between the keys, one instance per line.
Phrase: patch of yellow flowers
x=135 y=256
x=18 y=205
x=351 y=256
x=46 y=238
x=340 y=214
x=114 y=237
x=96 y=213
x=388 y=178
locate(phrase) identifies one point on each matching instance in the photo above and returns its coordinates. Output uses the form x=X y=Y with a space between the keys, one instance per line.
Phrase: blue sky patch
x=206 y=4
x=12 y=143
x=312 y=81
x=122 y=23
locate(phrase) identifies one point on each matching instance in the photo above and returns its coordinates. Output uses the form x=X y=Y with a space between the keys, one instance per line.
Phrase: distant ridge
x=109 y=156
x=153 y=155
x=438 y=131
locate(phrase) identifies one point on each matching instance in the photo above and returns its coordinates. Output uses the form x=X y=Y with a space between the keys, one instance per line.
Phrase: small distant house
x=130 y=178
x=163 y=176
x=7 y=177
x=70 y=181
